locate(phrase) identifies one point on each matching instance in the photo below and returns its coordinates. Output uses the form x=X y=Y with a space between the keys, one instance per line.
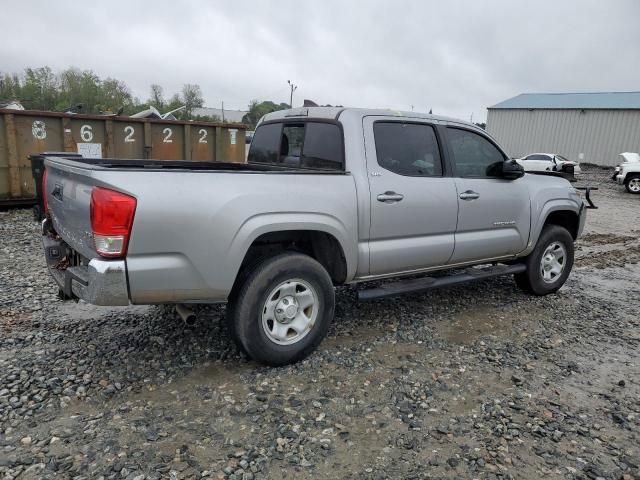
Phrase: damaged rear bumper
x=100 y=282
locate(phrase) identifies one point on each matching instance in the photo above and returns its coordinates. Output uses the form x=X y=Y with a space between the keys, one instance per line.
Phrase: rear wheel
x=282 y=309
x=550 y=263
x=632 y=184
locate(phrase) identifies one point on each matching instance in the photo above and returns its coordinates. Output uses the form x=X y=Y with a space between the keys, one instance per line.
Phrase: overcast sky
x=454 y=57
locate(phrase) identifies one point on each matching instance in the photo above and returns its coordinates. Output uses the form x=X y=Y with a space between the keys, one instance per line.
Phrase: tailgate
x=68 y=194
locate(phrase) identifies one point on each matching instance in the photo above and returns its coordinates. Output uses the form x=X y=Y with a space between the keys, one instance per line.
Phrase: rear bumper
x=101 y=282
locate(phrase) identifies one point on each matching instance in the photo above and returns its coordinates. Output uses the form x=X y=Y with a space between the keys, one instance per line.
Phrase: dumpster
x=28 y=132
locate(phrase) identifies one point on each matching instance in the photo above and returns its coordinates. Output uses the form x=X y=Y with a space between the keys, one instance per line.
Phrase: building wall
x=600 y=135
x=229 y=115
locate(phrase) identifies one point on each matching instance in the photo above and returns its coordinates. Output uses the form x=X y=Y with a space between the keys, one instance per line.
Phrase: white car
x=627 y=157
x=547 y=162
x=628 y=173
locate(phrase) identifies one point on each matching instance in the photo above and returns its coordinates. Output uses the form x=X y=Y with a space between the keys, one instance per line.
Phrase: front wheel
x=550 y=263
x=283 y=309
x=632 y=184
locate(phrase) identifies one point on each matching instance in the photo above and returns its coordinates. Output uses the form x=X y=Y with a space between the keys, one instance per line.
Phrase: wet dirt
x=478 y=381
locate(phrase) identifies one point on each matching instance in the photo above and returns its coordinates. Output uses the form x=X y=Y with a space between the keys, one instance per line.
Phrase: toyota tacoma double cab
x=328 y=196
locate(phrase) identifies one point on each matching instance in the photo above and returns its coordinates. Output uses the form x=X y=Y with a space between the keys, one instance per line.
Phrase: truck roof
x=332 y=113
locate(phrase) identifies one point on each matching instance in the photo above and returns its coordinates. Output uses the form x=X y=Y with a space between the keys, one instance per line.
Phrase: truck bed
x=186 y=165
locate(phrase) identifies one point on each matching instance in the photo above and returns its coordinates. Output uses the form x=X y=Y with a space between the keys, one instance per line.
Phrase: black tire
x=245 y=311
x=532 y=281
x=232 y=301
x=628 y=181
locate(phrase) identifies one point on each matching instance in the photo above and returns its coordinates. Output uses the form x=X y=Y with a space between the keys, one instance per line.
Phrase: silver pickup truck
x=329 y=196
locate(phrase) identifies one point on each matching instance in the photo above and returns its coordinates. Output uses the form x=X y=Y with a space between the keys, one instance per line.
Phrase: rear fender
x=261 y=224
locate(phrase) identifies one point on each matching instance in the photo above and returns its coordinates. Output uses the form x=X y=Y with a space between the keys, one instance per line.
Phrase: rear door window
x=409 y=149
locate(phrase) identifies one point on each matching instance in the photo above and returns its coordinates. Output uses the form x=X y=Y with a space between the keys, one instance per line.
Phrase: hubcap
x=553 y=262
x=290 y=311
x=634 y=185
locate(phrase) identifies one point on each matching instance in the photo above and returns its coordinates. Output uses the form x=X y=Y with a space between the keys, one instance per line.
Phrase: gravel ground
x=478 y=381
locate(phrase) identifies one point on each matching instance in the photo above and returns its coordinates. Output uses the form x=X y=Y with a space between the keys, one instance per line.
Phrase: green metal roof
x=585 y=100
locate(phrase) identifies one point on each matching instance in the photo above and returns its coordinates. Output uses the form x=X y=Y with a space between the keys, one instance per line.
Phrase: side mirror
x=512 y=170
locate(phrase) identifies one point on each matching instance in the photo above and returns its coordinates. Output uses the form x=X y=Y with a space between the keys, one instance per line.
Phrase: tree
x=10 y=88
x=40 y=88
x=157 y=96
x=78 y=87
x=191 y=98
x=259 y=109
x=114 y=94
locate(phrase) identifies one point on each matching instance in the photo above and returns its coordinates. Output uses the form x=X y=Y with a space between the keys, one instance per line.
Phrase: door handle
x=390 y=197
x=469 y=195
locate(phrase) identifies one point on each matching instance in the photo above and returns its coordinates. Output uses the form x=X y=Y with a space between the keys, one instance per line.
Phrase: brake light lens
x=45 y=205
x=111 y=220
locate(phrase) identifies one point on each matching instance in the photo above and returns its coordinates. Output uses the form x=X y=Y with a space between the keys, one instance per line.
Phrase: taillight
x=111 y=219
x=45 y=206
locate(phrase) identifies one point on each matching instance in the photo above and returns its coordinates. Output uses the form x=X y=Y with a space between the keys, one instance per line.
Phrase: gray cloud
x=456 y=57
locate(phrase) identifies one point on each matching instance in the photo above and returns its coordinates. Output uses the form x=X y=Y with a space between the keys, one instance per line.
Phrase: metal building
x=586 y=127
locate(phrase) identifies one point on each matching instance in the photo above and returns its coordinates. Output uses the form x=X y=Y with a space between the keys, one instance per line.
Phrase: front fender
x=539 y=217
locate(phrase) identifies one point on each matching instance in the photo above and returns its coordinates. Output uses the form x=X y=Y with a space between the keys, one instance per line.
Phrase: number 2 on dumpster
x=129 y=131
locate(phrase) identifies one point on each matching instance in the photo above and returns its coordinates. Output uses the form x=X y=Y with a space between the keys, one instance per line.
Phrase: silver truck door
x=413 y=206
x=493 y=213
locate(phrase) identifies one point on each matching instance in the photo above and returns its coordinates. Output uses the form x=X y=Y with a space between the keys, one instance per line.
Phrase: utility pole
x=222 y=112
x=293 y=89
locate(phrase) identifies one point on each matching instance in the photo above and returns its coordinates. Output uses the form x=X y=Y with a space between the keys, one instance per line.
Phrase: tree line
x=83 y=91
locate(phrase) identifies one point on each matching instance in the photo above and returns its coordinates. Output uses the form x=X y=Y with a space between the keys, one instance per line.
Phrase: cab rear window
x=314 y=145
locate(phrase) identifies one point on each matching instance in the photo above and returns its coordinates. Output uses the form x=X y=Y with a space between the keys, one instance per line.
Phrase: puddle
x=611 y=283
x=468 y=326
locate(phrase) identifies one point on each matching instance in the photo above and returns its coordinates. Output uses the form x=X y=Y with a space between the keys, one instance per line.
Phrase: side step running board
x=422 y=284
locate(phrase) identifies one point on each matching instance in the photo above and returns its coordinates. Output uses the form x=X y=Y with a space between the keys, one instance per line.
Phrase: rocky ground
x=478 y=381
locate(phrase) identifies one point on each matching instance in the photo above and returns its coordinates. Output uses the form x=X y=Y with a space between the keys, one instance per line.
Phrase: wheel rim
x=290 y=311
x=553 y=262
x=634 y=185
